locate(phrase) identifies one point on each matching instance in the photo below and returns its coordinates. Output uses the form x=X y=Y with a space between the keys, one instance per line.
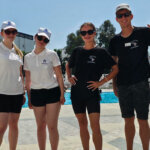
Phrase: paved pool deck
x=112 y=126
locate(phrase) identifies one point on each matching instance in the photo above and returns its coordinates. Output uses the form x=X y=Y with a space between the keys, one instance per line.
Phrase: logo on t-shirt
x=91 y=59
x=44 y=61
x=133 y=44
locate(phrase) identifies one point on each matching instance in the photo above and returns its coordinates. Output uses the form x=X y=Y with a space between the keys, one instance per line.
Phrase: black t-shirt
x=89 y=65
x=132 y=55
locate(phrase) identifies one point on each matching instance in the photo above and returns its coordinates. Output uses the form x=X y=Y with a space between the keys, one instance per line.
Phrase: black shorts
x=41 y=97
x=11 y=103
x=80 y=106
x=134 y=98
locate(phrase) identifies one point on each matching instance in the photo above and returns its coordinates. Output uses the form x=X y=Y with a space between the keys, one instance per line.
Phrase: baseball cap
x=123 y=6
x=44 y=32
x=8 y=25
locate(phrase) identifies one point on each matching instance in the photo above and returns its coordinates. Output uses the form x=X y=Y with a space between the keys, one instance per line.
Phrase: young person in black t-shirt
x=88 y=63
x=130 y=50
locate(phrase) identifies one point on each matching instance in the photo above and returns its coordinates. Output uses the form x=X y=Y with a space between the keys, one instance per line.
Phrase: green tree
x=62 y=60
x=58 y=51
x=105 y=32
x=73 y=40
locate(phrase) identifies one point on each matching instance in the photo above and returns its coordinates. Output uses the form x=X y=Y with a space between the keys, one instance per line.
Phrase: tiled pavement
x=111 y=126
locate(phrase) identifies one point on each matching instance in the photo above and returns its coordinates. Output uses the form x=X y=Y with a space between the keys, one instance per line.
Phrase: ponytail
x=18 y=51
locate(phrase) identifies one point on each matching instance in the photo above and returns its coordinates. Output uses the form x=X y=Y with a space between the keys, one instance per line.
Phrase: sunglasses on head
x=42 y=38
x=89 y=32
x=8 y=32
x=125 y=15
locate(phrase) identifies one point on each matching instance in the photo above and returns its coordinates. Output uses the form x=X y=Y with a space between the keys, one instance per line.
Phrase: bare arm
x=27 y=85
x=95 y=84
x=115 y=78
x=21 y=75
x=58 y=73
x=71 y=79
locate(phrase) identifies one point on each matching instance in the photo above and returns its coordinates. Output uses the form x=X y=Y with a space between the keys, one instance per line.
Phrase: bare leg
x=129 y=132
x=144 y=133
x=84 y=134
x=13 y=130
x=95 y=125
x=40 y=115
x=3 y=125
x=52 y=113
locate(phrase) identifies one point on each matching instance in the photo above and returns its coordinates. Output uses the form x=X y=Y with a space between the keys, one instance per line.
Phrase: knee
x=143 y=123
x=83 y=124
x=52 y=128
x=3 y=128
x=13 y=125
x=129 y=121
x=95 y=128
x=41 y=126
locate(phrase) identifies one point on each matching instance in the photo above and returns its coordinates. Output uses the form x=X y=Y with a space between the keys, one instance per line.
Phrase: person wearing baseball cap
x=44 y=32
x=45 y=87
x=11 y=83
x=130 y=49
x=123 y=6
x=8 y=25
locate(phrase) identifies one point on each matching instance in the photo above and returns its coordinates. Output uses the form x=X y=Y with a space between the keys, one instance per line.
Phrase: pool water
x=107 y=97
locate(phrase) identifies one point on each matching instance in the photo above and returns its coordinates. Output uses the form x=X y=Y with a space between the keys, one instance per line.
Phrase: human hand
x=29 y=104
x=72 y=80
x=115 y=91
x=62 y=100
x=93 y=85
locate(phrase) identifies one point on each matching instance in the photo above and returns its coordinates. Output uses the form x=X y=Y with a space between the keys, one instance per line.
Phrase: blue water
x=107 y=97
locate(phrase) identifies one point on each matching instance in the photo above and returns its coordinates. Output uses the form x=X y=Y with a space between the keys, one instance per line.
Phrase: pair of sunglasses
x=89 y=32
x=8 y=32
x=42 y=38
x=121 y=15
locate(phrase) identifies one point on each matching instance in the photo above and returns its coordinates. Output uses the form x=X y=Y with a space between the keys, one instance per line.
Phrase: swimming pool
x=107 y=97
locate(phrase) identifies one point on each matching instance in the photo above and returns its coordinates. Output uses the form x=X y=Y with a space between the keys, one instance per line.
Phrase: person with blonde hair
x=11 y=83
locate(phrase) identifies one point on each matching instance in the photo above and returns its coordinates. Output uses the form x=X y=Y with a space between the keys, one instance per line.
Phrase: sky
x=63 y=17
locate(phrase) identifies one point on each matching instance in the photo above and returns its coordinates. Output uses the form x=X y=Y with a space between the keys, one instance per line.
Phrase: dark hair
x=88 y=24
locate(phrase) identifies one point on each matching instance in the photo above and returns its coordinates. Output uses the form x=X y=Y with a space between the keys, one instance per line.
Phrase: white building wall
x=25 y=42
x=25 y=45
